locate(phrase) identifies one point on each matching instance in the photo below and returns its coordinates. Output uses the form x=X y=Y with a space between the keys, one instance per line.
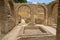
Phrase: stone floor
x=33 y=34
x=13 y=35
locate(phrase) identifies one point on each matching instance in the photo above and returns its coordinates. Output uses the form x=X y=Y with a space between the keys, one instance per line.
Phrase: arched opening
x=24 y=11
x=41 y=14
x=54 y=14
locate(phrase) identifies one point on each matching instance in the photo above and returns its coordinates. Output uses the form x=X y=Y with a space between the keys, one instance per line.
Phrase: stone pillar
x=32 y=23
x=58 y=22
x=49 y=16
x=10 y=17
x=2 y=15
x=7 y=17
x=32 y=19
x=46 y=16
x=0 y=30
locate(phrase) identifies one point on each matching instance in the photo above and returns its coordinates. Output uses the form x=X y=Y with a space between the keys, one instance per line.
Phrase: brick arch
x=55 y=4
x=45 y=13
x=17 y=10
x=52 y=6
x=55 y=14
x=24 y=5
x=44 y=7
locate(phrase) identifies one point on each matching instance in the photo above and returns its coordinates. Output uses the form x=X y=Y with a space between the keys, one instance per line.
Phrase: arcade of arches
x=23 y=19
